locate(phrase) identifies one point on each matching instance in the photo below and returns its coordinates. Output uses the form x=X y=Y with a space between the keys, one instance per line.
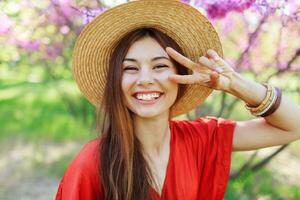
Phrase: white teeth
x=147 y=96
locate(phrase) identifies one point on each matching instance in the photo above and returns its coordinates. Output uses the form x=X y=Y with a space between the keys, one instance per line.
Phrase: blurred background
x=44 y=120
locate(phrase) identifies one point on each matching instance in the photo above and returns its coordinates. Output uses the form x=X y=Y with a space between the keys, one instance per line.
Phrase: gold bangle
x=276 y=104
x=265 y=101
x=269 y=105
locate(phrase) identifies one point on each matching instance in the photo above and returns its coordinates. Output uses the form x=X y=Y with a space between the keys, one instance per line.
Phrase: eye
x=131 y=68
x=160 y=66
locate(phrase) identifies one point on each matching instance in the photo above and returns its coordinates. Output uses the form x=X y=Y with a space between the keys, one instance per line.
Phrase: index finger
x=181 y=59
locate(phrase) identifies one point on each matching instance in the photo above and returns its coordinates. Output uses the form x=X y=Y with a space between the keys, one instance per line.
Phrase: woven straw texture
x=182 y=22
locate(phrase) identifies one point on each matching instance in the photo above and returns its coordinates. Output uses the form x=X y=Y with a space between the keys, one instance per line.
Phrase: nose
x=145 y=78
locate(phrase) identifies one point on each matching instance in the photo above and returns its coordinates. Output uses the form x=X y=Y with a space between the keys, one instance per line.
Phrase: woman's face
x=147 y=90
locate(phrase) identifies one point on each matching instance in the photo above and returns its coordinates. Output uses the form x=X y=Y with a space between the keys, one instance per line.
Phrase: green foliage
x=37 y=111
x=260 y=185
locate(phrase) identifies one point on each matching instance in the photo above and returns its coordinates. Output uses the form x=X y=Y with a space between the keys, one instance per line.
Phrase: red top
x=198 y=166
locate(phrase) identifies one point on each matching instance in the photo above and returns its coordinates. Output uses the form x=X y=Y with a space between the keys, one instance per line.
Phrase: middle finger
x=210 y=64
x=181 y=59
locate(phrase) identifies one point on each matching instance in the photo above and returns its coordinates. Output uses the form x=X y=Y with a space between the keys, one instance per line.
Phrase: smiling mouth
x=147 y=97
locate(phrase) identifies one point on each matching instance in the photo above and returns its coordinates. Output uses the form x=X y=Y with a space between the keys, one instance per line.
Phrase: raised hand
x=210 y=71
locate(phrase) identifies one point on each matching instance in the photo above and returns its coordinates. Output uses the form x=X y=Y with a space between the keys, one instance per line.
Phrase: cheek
x=165 y=78
x=174 y=87
x=126 y=83
x=171 y=86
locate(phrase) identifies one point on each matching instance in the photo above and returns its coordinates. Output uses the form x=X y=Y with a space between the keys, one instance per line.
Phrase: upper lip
x=146 y=92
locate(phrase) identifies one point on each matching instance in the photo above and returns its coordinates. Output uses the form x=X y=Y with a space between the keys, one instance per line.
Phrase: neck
x=154 y=134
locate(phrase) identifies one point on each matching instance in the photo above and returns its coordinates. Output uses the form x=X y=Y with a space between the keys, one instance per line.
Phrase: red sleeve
x=81 y=179
x=214 y=155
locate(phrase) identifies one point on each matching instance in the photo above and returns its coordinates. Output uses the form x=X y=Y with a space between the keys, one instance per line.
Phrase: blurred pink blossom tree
x=50 y=27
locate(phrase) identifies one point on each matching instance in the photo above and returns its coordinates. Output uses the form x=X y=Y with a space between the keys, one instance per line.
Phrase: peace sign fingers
x=204 y=65
x=210 y=71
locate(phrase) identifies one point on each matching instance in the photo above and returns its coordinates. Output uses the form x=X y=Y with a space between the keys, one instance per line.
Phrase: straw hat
x=182 y=22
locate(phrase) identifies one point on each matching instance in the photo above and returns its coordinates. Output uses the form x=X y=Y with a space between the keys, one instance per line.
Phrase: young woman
x=141 y=64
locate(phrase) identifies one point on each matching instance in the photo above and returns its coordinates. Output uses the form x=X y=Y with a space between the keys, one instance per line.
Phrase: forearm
x=286 y=117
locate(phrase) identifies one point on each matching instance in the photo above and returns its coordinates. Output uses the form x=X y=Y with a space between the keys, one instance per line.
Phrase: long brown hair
x=124 y=172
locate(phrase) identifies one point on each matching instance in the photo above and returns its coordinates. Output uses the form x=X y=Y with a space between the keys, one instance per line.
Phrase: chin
x=149 y=113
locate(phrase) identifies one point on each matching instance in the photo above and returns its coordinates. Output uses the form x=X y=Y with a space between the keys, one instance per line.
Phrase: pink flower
x=219 y=9
x=29 y=45
x=61 y=11
x=89 y=14
x=6 y=23
x=54 y=50
x=64 y=29
x=186 y=1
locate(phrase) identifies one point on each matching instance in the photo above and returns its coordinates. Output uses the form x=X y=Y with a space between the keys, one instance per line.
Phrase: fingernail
x=216 y=58
x=199 y=58
x=220 y=70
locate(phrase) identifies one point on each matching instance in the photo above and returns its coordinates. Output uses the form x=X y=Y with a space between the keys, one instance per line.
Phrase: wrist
x=251 y=92
x=235 y=84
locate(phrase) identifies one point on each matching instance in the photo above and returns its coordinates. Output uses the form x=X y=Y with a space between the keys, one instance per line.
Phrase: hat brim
x=183 y=23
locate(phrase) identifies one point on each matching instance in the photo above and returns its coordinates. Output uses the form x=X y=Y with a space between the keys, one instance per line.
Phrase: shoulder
x=203 y=124
x=203 y=131
x=86 y=163
x=88 y=157
x=81 y=180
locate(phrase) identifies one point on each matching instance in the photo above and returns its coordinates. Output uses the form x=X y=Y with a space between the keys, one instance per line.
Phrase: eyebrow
x=153 y=59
